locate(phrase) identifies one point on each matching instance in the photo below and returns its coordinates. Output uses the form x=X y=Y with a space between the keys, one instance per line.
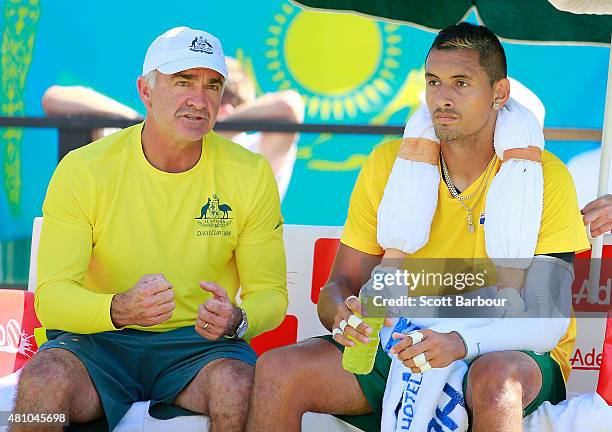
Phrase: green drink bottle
x=359 y=359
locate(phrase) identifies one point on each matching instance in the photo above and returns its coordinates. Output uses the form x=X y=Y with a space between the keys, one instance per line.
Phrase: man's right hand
x=343 y=312
x=148 y=303
x=352 y=306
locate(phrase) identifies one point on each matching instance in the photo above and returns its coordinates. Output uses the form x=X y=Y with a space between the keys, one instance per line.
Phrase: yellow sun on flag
x=342 y=64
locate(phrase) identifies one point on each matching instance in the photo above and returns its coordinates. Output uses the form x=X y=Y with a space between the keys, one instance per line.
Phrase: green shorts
x=131 y=365
x=373 y=386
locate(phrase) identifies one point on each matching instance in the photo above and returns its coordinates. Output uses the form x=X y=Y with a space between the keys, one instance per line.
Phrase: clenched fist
x=148 y=303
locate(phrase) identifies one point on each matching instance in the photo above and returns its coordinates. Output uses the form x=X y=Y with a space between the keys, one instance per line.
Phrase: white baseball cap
x=183 y=48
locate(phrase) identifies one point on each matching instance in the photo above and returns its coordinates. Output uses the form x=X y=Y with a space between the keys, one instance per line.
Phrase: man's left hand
x=440 y=349
x=217 y=317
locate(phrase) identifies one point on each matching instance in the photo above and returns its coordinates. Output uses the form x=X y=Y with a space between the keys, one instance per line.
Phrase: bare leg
x=499 y=386
x=55 y=381
x=292 y=380
x=220 y=390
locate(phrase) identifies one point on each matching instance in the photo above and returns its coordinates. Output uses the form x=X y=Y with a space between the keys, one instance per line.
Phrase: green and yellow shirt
x=561 y=229
x=110 y=217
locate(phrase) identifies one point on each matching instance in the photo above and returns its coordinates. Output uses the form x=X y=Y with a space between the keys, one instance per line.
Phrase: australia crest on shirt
x=215 y=218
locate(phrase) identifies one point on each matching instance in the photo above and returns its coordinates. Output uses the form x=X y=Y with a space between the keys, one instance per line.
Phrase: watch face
x=242 y=329
x=244 y=325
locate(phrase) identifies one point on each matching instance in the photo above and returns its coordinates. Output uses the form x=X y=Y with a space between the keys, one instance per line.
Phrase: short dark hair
x=479 y=38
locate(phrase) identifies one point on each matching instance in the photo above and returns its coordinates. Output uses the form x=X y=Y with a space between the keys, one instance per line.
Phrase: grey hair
x=151 y=77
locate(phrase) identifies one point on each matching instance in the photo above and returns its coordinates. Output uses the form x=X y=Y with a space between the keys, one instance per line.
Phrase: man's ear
x=501 y=90
x=144 y=91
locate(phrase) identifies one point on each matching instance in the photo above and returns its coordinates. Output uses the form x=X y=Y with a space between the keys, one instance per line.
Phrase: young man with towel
x=466 y=89
x=147 y=236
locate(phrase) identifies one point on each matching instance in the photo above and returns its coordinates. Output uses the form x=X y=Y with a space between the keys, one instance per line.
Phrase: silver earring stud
x=496 y=106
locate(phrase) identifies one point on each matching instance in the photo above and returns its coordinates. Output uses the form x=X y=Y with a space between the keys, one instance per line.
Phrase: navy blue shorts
x=129 y=365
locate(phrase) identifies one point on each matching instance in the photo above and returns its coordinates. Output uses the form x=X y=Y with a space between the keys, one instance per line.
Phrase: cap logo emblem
x=199 y=44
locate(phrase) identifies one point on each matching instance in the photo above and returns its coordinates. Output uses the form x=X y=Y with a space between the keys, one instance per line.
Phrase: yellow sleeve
x=562 y=229
x=360 y=227
x=260 y=256
x=61 y=301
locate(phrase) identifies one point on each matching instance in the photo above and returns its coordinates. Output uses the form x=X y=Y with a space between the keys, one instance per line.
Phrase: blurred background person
x=79 y=100
x=239 y=103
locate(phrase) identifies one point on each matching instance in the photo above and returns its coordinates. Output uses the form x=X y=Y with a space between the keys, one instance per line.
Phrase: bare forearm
x=332 y=294
x=350 y=271
x=74 y=100
x=285 y=105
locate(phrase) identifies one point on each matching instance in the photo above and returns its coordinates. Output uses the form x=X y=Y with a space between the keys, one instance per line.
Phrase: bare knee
x=279 y=369
x=282 y=375
x=55 y=380
x=230 y=380
x=497 y=379
x=48 y=377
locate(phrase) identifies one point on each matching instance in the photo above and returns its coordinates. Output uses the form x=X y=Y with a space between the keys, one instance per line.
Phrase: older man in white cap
x=147 y=236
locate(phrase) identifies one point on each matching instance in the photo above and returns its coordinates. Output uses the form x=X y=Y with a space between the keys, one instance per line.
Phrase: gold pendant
x=470 y=224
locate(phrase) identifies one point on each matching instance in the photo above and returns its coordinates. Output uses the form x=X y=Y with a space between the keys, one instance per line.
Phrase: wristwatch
x=242 y=327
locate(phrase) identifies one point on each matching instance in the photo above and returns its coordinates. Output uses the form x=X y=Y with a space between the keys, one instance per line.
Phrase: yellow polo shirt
x=561 y=230
x=110 y=217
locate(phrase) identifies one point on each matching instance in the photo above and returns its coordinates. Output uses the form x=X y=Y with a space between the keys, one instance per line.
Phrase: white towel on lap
x=434 y=401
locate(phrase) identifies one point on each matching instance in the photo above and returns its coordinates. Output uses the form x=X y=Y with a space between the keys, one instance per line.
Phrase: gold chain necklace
x=451 y=188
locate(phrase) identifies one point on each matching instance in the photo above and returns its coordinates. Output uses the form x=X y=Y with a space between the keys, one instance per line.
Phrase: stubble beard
x=446 y=134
